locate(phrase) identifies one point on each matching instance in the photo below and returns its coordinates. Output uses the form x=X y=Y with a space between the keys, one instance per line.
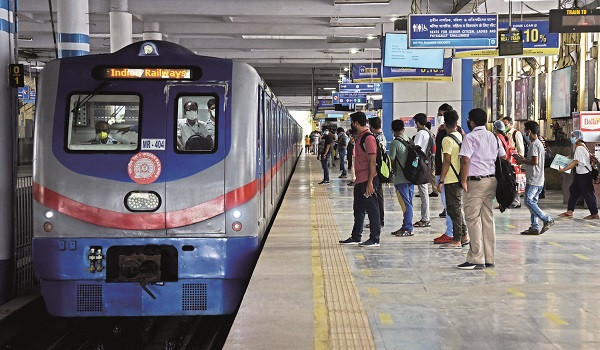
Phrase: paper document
x=561 y=161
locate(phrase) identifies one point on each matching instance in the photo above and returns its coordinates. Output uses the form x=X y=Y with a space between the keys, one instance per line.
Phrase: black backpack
x=383 y=163
x=417 y=168
x=506 y=189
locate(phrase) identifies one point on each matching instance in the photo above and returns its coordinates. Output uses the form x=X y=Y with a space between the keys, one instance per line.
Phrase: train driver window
x=196 y=121
x=100 y=122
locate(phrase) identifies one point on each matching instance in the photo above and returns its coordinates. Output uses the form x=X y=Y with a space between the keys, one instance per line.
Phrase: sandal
x=566 y=214
x=451 y=246
x=422 y=223
x=465 y=243
x=402 y=233
x=592 y=217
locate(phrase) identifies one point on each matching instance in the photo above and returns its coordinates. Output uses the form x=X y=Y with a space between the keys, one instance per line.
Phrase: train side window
x=102 y=122
x=197 y=121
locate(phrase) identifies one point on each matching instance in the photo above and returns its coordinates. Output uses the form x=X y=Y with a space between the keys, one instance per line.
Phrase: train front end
x=131 y=198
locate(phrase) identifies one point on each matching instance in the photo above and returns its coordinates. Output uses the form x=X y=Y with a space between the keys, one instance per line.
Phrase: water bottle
x=415 y=162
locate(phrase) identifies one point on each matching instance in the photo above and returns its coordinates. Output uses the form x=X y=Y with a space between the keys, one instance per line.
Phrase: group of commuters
x=465 y=175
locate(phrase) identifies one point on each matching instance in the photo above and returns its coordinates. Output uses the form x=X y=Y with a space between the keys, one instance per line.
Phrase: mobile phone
x=366 y=195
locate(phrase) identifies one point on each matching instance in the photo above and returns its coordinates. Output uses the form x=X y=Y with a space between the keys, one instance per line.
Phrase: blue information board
x=391 y=74
x=348 y=98
x=453 y=31
x=364 y=73
x=357 y=87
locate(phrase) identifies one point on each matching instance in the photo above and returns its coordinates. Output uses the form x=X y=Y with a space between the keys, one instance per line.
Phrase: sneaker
x=351 y=183
x=402 y=233
x=342 y=176
x=442 y=214
x=515 y=206
x=469 y=266
x=442 y=239
x=350 y=240
x=323 y=182
x=368 y=243
x=531 y=231
x=547 y=226
x=490 y=265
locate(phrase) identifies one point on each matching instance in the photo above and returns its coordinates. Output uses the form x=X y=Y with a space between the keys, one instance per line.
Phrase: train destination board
x=575 y=21
x=453 y=31
x=147 y=73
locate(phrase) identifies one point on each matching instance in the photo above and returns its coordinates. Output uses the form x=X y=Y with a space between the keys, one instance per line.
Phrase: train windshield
x=197 y=118
x=103 y=122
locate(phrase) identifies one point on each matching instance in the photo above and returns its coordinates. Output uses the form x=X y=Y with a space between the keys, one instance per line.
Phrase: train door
x=260 y=156
x=197 y=142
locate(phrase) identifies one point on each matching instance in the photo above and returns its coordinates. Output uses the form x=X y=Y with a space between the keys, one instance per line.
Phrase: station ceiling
x=283 y=40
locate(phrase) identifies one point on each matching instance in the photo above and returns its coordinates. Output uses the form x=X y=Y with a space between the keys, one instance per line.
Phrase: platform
x=309 y=292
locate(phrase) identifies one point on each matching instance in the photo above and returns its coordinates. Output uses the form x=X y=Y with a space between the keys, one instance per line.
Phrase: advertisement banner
x=391 y=75
x=364 y=73
x=453 y=31
x=537 y=41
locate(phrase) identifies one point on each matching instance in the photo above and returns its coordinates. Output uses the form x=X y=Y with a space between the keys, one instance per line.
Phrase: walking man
x=479 y=151
x=365 y=200
x=423 y=139
x=325 y=155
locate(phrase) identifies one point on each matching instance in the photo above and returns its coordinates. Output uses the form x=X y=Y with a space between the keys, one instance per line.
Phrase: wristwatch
x=440 y=182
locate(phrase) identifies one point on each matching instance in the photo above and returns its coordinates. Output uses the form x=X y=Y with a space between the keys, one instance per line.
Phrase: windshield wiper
x=94 y=92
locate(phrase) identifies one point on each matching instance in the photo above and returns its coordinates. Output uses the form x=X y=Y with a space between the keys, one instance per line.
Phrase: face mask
x=440 y=120
x=326 y=133
x=102 y=135
x=527 y=138
x=353 y=127
x=191 y=115
x=573 y=140
x=469 y=125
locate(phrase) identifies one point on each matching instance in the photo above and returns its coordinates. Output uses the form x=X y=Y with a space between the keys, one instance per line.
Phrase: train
x=156 y=172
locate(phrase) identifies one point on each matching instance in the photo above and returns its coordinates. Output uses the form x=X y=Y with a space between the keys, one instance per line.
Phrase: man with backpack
x=375 y=126
x=326 y=154
x=405 y=190
x=342 y=148
x=449 y=182
x=424 y=140
x=479 y=151
x=365 y=197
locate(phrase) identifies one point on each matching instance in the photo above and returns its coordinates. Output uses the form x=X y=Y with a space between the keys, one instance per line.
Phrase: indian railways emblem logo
x=144 y=168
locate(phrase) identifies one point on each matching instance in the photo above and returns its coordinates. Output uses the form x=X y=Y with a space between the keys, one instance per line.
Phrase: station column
x=120 y=25
x=152 y=31
x=7 y=125
x=73 y=28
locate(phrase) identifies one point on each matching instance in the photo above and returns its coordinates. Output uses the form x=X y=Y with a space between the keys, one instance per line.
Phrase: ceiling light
x=286 y=37
x=329 y=88
x=354 y=51
x=361 y=26
x=393 y=19
x=360 y=18
x=371 y=37
x=342 y=75
x=37 y=67
x=340 y=81
x=25 y=38
x=346 y=69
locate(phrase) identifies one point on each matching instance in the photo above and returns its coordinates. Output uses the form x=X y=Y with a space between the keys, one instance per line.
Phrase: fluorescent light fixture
x=371 y=37
x=286 y=37
x=340 y=81
x=346 y=69
x=25 y=38
x=354 y=51
x=329 y=88
x=393 y=19
x=360 y=18
x=37 y=67
x=360 y=26
x=342 y=75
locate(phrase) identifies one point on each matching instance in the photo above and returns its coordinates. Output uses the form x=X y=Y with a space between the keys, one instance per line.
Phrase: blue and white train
x=129 y=220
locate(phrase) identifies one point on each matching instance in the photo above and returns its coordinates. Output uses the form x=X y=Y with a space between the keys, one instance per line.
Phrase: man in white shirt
x=190 y=126
x=423 y=139
x=515 y=139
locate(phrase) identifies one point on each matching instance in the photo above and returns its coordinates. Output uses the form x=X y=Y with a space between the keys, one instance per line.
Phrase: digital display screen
x=574 y=21
x=397 y=54
x=150 y=73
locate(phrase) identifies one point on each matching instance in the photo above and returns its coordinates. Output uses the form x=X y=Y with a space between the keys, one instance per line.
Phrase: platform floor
x=309 y=292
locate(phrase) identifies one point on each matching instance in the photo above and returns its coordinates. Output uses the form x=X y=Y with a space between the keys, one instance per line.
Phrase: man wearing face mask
x=103 y=134
x=324 y=156
x=210 y=123
x=190 y=126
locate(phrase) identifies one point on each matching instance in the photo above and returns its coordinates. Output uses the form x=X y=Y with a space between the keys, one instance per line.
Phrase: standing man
x=375 y=125
x=405 y=191
x=366 y=181
x=210 y=123
x=342 y=147
x=423 y=139
x=515 y=139
x=446 y=237
x=479 y=151
x=449 y=182
x=327 y=148
x=534 y=170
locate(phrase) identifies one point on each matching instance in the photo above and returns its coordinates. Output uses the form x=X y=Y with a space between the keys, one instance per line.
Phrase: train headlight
x=142 y=201
x=49 y=214
x=236 y=226
x=236 y=214
x=48 y=226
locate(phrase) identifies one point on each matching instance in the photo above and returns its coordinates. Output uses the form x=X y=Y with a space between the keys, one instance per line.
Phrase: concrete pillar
x=7 y=125
x=120 y=25
x=73 y=28
x=152 y=31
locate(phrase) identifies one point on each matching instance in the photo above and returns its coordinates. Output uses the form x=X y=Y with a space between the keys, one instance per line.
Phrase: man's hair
x=451 y=118
x=533 y=127
x=211 y=102
x=375 y=123
x=508 y=119
x=478 y=116
x=190 y=106
x=397 y=125
x=445 y=107
x=420 y=118
x=428 y=125
x=359 y=117
x=101 y=123
x=340 y=129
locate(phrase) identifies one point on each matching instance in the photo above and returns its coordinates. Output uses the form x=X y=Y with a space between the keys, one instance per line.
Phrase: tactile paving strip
x=347 y=320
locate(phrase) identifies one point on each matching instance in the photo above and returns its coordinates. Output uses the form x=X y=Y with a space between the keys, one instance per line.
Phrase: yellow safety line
x=556 y=244
x=516 y=292
x=320 y=306
x=511 y=226
x=490 y=272
x=386 y=319
x=360 y=257
x=374 y=292
x=552 y=317
x=583 y=257
x=366 y=272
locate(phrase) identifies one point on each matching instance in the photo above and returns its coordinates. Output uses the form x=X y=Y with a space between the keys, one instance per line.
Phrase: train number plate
x=153 y=144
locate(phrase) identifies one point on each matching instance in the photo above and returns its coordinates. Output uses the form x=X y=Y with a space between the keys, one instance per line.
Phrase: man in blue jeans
x=365 y=196
x=342 y=147
x=327 y=150
x=533 y=162
x=405 y=191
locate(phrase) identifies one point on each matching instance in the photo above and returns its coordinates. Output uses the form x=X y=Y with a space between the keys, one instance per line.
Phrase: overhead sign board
x=510 y=42
x=348 y=98
x=575 y=21
x=364 y=88
x=417 y=74
x=537 y=41
x=453 y=31
x=364 y=73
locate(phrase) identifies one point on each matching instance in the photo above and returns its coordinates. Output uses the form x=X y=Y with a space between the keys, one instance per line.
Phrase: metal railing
x=25 y=280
